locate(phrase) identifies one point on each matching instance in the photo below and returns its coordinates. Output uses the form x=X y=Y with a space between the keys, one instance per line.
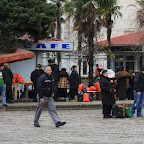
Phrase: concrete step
x=30 y=106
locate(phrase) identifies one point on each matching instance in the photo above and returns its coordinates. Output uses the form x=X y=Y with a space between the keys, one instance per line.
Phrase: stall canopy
x=20 y=54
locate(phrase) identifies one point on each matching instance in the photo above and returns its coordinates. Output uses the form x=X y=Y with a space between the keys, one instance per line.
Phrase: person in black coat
x=34 y=76
x=107 y=94
x=45 y=89
x=9 y=76
x=74 y=82
x=56 y=74
x=138 y=90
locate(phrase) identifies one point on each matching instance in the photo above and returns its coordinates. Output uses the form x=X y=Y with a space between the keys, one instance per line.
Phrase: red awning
x=134 y=38
x=20 y=54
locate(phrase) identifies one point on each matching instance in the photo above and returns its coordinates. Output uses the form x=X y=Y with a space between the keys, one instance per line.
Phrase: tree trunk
x=53 y=27
x=58 y=18
x=90 y=57
x=79 y=51
x=109 y=31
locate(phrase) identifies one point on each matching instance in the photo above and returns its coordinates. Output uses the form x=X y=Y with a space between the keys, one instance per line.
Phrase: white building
x=122 y=25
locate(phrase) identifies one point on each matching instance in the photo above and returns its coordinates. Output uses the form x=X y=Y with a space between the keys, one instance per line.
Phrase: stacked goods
x=17 y=78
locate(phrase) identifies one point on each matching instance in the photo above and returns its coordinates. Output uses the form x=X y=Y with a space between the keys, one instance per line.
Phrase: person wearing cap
x=9 y=75
x=35 y=75
x=138 y=93
x=3 y=80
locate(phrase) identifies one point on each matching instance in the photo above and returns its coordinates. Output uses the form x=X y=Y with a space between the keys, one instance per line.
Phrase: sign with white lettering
x=50 y=46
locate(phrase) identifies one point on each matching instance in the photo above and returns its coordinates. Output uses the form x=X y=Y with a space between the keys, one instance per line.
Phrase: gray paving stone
x=83 y=127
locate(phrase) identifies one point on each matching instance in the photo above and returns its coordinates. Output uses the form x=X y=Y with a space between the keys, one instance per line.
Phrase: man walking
x=45 y=90
x=138 y=93
x=107 y=94
x=3 y=85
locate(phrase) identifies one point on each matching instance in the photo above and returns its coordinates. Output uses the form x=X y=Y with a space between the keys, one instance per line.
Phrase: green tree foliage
x=108 y=8
x=21 y=16
x=89 y=16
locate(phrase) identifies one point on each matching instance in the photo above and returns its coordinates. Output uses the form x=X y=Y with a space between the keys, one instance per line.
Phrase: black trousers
x=73 y=92
x=107 y=109
x=9 y=92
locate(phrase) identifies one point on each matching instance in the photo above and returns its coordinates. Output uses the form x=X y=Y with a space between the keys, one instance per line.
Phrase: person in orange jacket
x=97 y=72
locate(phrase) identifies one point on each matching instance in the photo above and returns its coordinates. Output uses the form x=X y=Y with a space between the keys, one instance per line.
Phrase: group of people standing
x=6 y=78
x=121 y=82
x=61 y=80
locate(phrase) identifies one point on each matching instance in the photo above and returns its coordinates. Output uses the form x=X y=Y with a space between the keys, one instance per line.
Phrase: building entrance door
x=130 y=65
x=130 y=62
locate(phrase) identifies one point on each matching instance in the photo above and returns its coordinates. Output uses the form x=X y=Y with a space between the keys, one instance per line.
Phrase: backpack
x=118 y=111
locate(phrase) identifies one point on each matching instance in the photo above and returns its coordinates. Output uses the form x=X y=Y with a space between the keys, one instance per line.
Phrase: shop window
x=118 y=62
x=84 y=67
x=130 y=58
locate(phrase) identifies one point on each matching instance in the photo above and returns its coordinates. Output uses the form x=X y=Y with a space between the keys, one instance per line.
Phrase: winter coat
x=55 y=71
x=106 y=91
x=122 y=84
x=9 y=76
x=45 y=85
x=35 y=75
x=63 y=80
x=139 y=82
x=74 y=80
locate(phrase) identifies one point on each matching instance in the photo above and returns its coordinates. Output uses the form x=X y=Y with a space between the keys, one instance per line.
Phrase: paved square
x=83 y=127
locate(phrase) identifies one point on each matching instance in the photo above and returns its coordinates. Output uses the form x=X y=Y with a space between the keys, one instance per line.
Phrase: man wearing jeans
x=45 y=90
x=138 y=93
x=2 y=85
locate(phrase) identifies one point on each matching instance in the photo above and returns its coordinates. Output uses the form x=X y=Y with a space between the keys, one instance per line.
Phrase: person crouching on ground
x=45 y=90
x=107 y=94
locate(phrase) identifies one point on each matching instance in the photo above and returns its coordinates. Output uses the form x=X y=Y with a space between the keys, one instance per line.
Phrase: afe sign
x=50 y=46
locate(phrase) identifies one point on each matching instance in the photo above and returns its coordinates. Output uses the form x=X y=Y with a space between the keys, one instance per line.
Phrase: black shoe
x=110 y=116
x=60 y=123
x=139 y=116
x=10 y=101
x=5 y=105
x=107 y=116
x=36 y=125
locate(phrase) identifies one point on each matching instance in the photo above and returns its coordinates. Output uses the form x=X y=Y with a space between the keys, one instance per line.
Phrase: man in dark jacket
x=9 y=76
x=3 y=80
x=45 y=89
x=56 y=74
x=35 y=75
x=138 y=93
x=107 y=94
